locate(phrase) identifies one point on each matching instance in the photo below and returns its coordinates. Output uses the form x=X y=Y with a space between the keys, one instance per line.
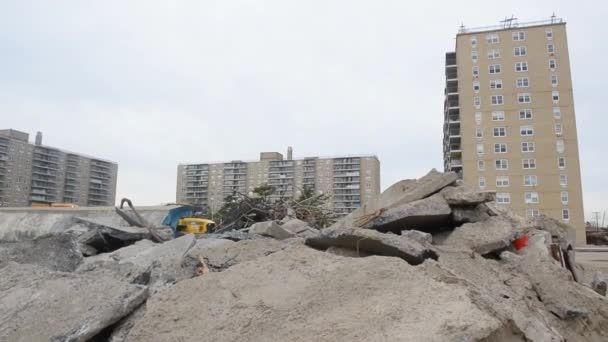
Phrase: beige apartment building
x=510 y=124
x=350 y=181
x=36 y=173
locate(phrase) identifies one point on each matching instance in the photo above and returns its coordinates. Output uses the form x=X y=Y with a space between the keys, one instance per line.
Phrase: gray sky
x=150 y=84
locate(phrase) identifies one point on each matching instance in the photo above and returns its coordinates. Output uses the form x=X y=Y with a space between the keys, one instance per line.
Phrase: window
x=528 y=164
x=524 y=98
x=526 y=131
x=530 y=180
x=522 y=82
x=561 y=162
x=474 y=56
x=549 y=34
x=563 y=180
x=476 y=86
x=500 y=148
x=557 y=113
x=564 y=197
x=479 y=149
x=558 y=129
x=502 y=181
x=565 y=214
x=502 y=164
x=559 y=146
x=494 y=68
x=481 y=165
x=479 y=132
x=500 y=132
x=519 y=36
x=473 y=42
x=527 y=146
x=503 y=197
x=477 y=101
x=552 y=64
x=551 y=49
x=482 y=182
x=554 y=80
x=492 y=39
x=475 y=71
x=497 y=100
x=525 y=114
x=555 y=96
x=495 y=84
x=520 y=51
x=498 y=116
x=531 y=197
x=532 y=213
x=521 y=66
x=478 y=117
x=493 y=54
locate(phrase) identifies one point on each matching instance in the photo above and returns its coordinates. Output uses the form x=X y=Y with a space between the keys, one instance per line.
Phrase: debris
x=372 y=242
x=454 y=253
x=272 y=229
x=465 y=196
x=58 y=252
x=299 y=295
x=43 y=305
x=492 y=235
x=427 y=214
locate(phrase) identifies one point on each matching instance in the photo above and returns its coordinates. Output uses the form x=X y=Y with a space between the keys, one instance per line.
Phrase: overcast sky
x=150 y=84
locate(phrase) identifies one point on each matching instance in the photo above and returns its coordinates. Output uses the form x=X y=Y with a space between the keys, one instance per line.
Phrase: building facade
x=349 y=181
x=35 y=173
x=509 y=118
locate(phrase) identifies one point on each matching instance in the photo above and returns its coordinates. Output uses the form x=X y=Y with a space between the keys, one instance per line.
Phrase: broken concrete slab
x=470 y=214
x=400 y=193
x=42 y=305
x=295 y=226
x=372 y=242
x=346 y=252
x=221 y=254
x=272 y=229
x=600 y=283
x=299 y=294
x=562 y=233
x=58 y=252
x=156 y=265
x=466 y=196
x=427 y=214
x=106 y=237
x=421 y=237
x=492 y=235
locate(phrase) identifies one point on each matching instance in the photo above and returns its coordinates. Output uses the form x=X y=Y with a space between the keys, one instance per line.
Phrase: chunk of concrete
x=58 y=252
x=295 y=226
x=272 y=229
x=422 y=237
x=106 y=238
x=346 y=252
x=43 y=305
x=464 y=195
x=484 y=237
x=372 y=242
x=145 y=262
x=470 y=214
x=562 y=233
x=400 y=193
x=426 y=214
x=600 y=283
x=221 y=254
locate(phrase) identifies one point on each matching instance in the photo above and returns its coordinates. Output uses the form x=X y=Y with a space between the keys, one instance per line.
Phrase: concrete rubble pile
x=430 y=260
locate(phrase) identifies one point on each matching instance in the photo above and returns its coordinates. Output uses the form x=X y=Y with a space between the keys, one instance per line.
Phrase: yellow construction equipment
x=193 y=225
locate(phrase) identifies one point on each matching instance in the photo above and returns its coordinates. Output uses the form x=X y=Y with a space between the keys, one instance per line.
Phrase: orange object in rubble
x=521 y=242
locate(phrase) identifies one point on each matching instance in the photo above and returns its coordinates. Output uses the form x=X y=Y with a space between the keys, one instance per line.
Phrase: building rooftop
x=510 y=24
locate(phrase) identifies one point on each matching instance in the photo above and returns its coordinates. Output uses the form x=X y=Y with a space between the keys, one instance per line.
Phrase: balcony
x=346 y=173
x=347 y=161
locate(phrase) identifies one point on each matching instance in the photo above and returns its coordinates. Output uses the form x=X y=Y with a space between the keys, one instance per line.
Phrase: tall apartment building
x=509 y=118
x=35 y=173
x=349 y=181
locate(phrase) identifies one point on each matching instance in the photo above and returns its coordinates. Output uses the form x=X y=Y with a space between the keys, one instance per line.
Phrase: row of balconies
x=197 y=178
x=352 y=167
x=346 y=161
x=347 y=173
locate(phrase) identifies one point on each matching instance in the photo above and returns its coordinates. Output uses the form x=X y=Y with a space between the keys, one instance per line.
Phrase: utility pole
x=597 y=220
